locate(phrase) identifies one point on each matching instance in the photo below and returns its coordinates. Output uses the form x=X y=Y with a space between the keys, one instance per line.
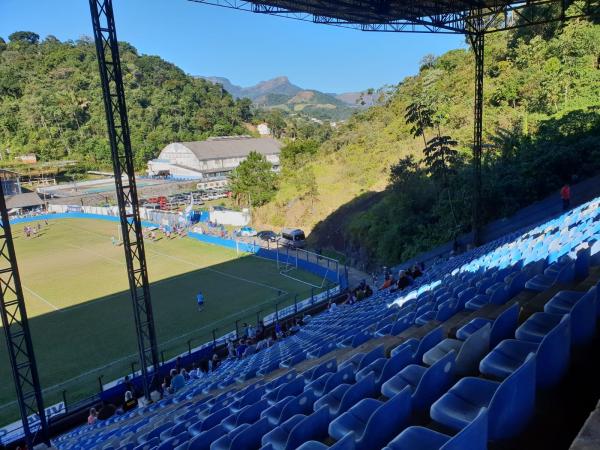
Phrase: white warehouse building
x=211 y=161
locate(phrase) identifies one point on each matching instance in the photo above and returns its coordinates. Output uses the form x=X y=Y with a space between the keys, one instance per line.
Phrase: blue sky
x=244 y=47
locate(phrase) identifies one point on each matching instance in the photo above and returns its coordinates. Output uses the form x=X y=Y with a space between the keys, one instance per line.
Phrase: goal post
x=288 y=261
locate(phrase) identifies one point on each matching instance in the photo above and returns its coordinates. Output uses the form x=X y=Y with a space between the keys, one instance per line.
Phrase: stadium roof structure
x=232 y=147
x=429 y=16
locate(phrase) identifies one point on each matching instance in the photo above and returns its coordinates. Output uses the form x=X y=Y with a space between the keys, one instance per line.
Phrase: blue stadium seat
x=297 y=430
x=426 y=383
x=420 y=347
x=302 y=404
x=155 y=433
x=175 y=441
x=285 y=378
x=273 y=412
x=510 y=403
x=385 y=368
x=329 y=366
x=328 y=381
x=582 y=308
x=502 y=328
x=540 y=283
x=552 y=356
x=537 y=326
x=346 y=443
x=249 y=414
x=224 y=442
x=477 y=302
x=361 y=360
x=473 y=436
x=344 y=396
x=150 y=444
x=372 y=423
x=294 y=387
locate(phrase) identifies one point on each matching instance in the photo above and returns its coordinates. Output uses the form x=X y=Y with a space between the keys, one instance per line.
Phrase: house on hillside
x=263 y=129
x=17 y=201
x=211 y=161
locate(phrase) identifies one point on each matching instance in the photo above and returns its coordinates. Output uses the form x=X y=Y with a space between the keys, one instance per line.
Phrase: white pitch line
x=55 y=308
x=235 y=277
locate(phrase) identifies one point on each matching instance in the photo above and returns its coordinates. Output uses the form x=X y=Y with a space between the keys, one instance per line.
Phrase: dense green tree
x=27 y=37
x=51 y=102
x=276 y=122
x=296 y=153
x=253 y=182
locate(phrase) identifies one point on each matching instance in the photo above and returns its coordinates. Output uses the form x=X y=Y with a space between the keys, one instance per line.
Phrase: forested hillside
x=51 y=102
x=395 y=179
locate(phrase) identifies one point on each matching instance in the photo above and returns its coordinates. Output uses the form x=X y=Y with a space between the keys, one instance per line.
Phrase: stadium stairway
x=458 y=333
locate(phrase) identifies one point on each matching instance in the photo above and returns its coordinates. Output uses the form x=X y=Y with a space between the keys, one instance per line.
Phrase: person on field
x=200 y=301
x=565 y=195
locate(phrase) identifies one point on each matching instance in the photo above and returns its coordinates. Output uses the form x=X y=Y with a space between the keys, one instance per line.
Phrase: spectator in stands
x=565 y=195
x=404 y=280
x=129 y=403
x=106 y=411
x=241 y=348
x=262 y=344
x=278 y=331
x=93 y=417
x=250 y=349
x=166 y=386
x=215 y=362
x=332 y=306
x=296 y=326
x=350 y=298
x=186 y=375
x=177 y=381
x=204 y=365
x=128 y=384
x=416 y=271
x=388 y=281
x=195 y=372
x=260 y=330
x=230 y=349
x=155 y=386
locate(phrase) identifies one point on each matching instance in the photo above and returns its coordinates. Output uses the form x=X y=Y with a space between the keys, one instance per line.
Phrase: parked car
x=267 y=236
x=292 y=238
x=247 y=231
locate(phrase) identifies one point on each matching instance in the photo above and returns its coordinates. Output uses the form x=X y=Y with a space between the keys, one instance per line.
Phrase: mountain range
x=279 y=92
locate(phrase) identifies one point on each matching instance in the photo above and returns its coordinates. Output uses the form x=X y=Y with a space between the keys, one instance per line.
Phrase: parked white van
x=292 y=238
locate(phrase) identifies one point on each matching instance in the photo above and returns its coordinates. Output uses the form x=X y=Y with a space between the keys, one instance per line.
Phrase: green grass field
x=81 y=318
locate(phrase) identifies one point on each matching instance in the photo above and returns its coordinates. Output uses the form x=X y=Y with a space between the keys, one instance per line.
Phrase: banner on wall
x=14 y=431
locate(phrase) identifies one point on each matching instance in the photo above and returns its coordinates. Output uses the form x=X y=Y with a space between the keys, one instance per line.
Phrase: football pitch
x=76 y=292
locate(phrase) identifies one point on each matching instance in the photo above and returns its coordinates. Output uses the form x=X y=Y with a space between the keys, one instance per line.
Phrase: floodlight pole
x=109 y=64
x=477 y=39
x=18 y=336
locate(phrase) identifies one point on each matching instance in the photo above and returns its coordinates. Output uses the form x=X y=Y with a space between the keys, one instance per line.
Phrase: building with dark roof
x=212 y=160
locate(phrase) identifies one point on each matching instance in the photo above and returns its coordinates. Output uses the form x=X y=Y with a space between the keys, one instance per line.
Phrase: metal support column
x=477 y=39
x=109 y=64
x=18 y=336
